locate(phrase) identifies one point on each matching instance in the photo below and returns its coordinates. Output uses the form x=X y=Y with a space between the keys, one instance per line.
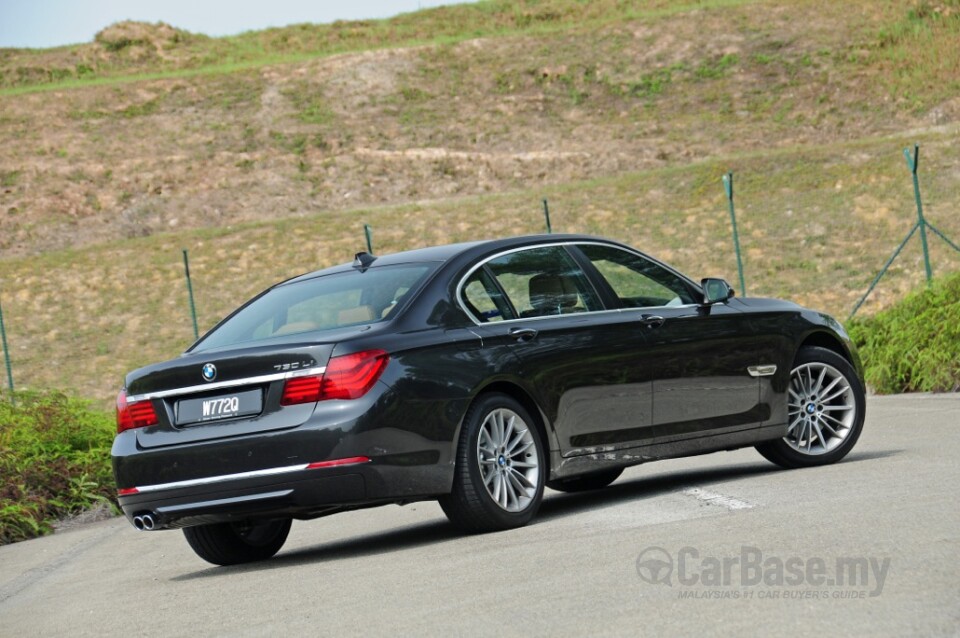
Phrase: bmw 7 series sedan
x=474 y=374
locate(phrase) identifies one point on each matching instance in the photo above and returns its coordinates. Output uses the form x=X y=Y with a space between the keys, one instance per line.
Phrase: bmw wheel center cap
x=209 y=372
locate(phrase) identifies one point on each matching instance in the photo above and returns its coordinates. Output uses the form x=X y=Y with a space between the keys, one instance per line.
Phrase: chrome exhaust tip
x=138 y=523
x=148 y=522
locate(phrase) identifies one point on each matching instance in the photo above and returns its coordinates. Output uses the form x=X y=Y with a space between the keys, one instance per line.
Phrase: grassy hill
x=265 y=153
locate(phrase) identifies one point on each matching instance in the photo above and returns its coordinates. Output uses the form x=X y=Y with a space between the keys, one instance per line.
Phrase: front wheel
x=499 y=476
x=235 y=543
x=825 y=410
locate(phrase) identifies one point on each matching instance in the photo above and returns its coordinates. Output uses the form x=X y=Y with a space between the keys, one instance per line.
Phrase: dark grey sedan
x=474 y=374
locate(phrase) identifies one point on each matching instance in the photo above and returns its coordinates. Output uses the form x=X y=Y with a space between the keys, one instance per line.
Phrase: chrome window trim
x=459 y=291
x=193 y=389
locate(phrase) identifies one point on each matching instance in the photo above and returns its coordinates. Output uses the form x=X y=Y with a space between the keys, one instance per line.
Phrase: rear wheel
x=825 y=410
x=499 y=476
x=235 y=543
x=595 y=481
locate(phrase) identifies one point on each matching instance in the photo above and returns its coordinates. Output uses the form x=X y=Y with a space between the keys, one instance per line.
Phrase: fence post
x=922 y=224
x=912 y=163
x=193 y=307
x=728 y=187
x=369 y=234
x=6 y=353
x=546 y=216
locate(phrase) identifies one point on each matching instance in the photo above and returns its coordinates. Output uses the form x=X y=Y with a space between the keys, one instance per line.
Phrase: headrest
x=550 y=294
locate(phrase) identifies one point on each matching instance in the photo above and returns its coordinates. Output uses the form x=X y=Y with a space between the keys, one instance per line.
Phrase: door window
x=535 y=282
x=638 y=282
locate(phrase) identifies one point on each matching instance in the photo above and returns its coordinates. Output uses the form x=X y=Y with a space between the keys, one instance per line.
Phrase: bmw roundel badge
x=209 y=372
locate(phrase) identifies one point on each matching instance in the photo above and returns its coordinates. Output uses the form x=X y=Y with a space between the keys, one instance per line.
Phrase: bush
x=54 y=462
x=915 y=345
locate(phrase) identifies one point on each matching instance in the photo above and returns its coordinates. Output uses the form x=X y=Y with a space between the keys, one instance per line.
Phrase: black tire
x=235 y=543
x=594 y=481
x=470 y=505
x=782 y=453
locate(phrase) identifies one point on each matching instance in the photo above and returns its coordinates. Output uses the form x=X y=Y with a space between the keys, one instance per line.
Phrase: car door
x=698 y=357
x=581 y=357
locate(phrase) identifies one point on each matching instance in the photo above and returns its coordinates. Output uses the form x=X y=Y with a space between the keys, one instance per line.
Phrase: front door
x=697 y=356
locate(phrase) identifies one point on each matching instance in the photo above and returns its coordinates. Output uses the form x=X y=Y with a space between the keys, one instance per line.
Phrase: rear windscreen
x=322 y=303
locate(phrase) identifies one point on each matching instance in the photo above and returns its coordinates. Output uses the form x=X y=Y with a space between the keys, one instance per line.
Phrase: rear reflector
x=348 y=376
x=134 y=415
x=127 y=491
x=353 y=460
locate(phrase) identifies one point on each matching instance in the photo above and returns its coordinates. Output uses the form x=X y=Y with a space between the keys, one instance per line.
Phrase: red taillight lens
x=301 y=390
x=347 y=377
x=134 y=415
x=352 y=375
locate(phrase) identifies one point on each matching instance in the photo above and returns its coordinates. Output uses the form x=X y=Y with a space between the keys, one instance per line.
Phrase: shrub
x=915 y=345
x=54 y=461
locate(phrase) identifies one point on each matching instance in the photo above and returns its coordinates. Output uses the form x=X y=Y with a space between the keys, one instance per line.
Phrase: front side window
x=541 y=282
x=638 y=282
x=321 y=303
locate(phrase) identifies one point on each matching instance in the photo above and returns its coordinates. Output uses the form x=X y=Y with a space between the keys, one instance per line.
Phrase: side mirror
x=715 y=291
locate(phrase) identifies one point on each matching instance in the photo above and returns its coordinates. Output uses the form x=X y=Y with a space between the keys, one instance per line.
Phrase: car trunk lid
x=211 y=395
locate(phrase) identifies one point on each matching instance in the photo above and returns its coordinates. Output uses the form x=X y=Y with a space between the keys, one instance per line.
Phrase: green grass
x=54 y=460
x=914 y=346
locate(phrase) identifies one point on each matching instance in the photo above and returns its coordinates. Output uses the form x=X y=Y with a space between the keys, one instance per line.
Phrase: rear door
x=582 y=358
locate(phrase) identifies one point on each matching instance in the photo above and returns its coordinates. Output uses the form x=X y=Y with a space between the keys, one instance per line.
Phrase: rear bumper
x=303 y=472
x=300 y=493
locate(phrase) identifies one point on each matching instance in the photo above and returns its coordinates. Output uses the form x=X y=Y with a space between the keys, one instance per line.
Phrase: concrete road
x=724 y=544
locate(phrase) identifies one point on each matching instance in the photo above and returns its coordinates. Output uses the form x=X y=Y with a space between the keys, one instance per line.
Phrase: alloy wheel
x=508 y=460
x=822 y=409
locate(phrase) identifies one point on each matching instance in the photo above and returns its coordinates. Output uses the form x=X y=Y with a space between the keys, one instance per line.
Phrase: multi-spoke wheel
x=825 y=411
x=509 y=463
x=499 y=476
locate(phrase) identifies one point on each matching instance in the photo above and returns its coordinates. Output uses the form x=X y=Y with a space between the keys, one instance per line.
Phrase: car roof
x=449 y=251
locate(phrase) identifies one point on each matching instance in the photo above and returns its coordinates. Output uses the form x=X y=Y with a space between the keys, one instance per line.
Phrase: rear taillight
x=301 y=390
x=349 y=376
x=139 y=414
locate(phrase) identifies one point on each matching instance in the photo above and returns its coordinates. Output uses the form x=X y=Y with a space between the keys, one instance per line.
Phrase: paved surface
x=892 y=506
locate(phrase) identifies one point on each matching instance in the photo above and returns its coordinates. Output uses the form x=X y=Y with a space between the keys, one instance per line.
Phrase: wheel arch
x=524 y=398
x=826 y=341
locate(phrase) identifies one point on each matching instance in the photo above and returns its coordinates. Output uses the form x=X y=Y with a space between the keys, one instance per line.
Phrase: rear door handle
x=651 y=321
x=522 y=334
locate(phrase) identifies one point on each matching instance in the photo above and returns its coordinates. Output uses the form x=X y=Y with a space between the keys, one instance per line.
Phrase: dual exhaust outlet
x=145 y=522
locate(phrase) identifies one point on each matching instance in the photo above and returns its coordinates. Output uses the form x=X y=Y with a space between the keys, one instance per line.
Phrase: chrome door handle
x=651 y=321
x=522 y=334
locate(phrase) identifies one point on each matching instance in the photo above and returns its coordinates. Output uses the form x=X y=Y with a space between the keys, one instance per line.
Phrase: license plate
x=225 y=406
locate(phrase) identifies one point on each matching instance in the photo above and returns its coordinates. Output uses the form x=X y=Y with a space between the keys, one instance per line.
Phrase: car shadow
x=555 y=505
x=559 y=504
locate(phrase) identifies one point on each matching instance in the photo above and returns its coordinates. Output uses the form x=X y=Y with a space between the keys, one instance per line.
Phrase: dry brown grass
x=625 y=124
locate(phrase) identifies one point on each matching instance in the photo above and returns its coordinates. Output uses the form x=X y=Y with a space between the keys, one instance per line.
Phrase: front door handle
x=522 y=334
x=651 y=321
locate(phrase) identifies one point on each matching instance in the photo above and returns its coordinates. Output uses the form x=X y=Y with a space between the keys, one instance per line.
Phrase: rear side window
x=535 y=282
x=322 y=303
